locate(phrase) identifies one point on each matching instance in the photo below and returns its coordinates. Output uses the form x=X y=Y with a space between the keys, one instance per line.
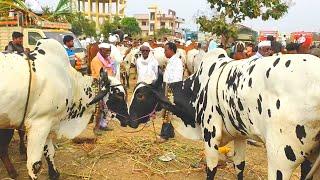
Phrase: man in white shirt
x=174 y=69
x=173 y=73
x=83 y=43
x=147 y=65
x=188 y=41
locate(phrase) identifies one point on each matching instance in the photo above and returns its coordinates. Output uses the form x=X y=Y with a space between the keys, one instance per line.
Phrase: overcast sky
x=303 y=16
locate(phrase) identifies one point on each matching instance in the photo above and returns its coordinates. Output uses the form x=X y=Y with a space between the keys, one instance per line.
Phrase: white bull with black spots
x=59 y=101
x=194 y=58
x=275 y=100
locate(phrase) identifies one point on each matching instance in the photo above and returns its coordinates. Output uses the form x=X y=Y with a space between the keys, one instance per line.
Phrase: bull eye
x=139 y=96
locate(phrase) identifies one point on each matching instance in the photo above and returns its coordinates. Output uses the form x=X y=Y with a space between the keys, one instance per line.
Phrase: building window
x=171 y=24
x=152 y=27
x=152 y=16
x=163 y=24
x=144 y=23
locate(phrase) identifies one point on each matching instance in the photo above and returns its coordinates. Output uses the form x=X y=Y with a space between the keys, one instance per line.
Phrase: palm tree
x=61 y=13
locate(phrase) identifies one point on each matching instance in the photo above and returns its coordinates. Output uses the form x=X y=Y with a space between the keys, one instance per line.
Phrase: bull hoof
x=32 y=178
x=36 y=167
x=23 y=150
x=54 y=175
x=13 y=174
x=23 y=157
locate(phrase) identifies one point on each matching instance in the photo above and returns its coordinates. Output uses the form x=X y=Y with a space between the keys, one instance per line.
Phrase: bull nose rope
x=145 y=125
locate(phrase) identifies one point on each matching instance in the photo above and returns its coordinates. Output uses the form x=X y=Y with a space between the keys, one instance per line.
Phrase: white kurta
x=147 y=69
x=257 y=55
x=174 y=70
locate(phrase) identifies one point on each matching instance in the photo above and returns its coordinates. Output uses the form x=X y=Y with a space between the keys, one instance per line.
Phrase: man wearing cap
x=147 y=65
x=264 y=50
x=102 y=61
x=188 y=41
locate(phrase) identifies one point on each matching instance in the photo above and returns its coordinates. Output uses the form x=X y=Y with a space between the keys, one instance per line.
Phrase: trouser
x=167 y=130
x=104 y=115
x=100 y=114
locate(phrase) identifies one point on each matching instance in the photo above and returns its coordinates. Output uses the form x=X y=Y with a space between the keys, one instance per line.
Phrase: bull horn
x=99 y=97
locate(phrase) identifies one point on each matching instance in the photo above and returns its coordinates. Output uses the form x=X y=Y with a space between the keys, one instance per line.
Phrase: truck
x=264 y=34
x=42 y=29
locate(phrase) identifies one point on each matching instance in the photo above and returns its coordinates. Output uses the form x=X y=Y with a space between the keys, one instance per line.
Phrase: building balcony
x=144 y=28
x=104 y=1
x=141 y=16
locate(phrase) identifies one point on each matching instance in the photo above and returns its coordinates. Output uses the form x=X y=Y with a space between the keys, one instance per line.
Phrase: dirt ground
x=121 y=155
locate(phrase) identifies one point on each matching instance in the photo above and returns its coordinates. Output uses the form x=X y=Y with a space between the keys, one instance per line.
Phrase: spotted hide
x=58 y=101
x=275 y=100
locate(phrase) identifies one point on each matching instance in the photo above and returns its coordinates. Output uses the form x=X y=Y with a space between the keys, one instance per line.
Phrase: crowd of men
x=147 y=65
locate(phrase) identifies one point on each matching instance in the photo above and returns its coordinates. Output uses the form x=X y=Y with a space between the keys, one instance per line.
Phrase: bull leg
x=5 y=138
x=212 y=142
x=49 y=155
x=278 y=167
x=37 y=136
x=283 y=157
x=212 y=158
x=285 y=151
x=239 y=156
x=22 y=146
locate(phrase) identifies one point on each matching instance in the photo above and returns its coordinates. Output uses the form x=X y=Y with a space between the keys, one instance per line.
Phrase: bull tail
x=314 y=168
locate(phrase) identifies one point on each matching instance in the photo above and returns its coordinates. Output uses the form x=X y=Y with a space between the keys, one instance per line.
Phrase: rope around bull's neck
x=28 y=97
x=217 y=89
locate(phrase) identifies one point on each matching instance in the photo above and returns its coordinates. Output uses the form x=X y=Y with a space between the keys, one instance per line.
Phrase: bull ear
x=99 y=97
x=164 y=101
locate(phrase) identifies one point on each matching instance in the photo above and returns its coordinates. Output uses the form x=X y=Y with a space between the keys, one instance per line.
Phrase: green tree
x=163 y=32
x=239 y=10
x=62 y=13
x=219 y=26
x=81 y=25
x=89 y=28
x=77 y=23
x=235 y=11
x=108 y=27
x=130 y=26
x=116 y=21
